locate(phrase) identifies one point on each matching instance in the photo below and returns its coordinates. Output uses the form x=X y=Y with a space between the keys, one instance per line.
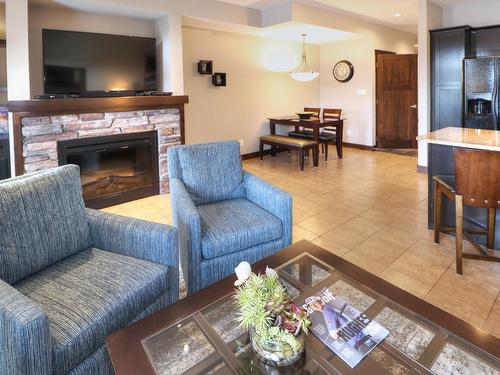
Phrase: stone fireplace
x=115 y=168
x=39 y=135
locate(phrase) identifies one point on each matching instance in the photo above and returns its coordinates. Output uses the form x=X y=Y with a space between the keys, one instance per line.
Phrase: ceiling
x=378 y=11
x=292 y=32
x=102 y=7
x=255 y=4
x=288 y=31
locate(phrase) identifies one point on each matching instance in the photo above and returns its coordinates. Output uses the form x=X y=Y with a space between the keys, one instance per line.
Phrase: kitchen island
x=441 y=162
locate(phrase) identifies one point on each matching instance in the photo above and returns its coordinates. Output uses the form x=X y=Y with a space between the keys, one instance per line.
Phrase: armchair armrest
x=139 y=239
x=25 y=344
x=271 y=199
x=188 y=222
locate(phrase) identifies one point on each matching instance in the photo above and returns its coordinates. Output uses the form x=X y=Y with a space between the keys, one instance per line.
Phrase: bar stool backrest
x=315 y=110
x=332 y=113
x=477 y=176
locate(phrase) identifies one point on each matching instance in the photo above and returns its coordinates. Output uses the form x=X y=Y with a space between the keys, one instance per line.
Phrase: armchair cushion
x=211 y=172
x=233 y=225
x=43 y=221
x=90 y=295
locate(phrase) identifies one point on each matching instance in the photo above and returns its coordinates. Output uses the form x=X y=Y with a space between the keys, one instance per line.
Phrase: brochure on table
x=348 y=332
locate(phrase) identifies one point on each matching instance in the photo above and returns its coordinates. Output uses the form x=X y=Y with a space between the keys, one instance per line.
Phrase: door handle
x=414 y=106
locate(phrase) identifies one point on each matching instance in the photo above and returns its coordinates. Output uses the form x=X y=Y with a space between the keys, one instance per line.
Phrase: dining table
x=315 y=124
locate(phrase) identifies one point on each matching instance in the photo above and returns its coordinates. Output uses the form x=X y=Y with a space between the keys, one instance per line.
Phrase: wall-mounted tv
x=90 y=63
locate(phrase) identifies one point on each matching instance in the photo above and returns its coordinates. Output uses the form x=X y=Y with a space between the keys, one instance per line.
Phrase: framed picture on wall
x=219 y=79
x=205 y=67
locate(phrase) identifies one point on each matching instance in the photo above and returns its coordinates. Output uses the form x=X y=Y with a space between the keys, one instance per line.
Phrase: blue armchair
x=70 y=276
x=224 y=215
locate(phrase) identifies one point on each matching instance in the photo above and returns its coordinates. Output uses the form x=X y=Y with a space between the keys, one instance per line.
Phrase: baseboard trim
x=358 y=146
x=250 y=155
x=422 y=169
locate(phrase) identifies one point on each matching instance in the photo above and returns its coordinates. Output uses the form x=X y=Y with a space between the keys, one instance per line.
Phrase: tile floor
x=371 y=209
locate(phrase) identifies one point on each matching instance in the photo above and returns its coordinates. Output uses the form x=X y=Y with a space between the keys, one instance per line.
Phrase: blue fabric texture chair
x=224 y=215
x=70 y=276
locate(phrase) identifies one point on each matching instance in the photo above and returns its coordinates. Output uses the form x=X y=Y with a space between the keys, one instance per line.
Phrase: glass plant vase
x=276 y=353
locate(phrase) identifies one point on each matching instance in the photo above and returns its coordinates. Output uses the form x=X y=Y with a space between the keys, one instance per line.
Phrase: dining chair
x=476 y=183
x=325 y=137
x=331 y=114
x=316 y=111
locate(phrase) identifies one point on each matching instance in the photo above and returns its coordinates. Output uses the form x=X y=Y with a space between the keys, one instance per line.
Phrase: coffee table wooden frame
x=128 y=356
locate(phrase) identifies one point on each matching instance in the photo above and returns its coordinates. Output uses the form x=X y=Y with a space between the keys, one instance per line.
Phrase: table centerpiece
x=277 y=326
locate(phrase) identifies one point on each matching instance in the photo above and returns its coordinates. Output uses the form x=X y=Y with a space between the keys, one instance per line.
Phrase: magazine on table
x=349 y=333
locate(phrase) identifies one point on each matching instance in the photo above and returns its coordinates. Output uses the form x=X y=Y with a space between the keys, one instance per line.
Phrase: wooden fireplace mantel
x=87 y=105
x=51 y=107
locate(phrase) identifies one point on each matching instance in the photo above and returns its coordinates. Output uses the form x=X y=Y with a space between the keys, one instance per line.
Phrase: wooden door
x=397 y=101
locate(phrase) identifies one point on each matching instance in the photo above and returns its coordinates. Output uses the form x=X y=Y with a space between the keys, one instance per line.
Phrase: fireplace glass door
x=114 y=169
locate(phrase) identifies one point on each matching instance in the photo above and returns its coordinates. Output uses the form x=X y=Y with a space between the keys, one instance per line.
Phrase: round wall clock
x=343 y=71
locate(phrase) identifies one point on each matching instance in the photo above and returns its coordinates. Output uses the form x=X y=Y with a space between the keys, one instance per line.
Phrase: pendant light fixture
x=303 y=73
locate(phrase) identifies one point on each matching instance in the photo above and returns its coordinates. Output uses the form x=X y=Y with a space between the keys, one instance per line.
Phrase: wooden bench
x=289 y=143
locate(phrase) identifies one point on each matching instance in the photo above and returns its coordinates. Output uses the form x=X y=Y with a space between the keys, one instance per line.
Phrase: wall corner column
x=429 y=17
x=18 y=69
x=169 y=35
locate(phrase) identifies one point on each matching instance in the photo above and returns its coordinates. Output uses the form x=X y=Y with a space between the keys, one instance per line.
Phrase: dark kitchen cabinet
x=449 y=47
x=4 y=157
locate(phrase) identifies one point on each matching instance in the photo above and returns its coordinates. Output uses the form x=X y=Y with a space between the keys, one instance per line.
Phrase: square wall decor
x=205 y=67
x=219 y=79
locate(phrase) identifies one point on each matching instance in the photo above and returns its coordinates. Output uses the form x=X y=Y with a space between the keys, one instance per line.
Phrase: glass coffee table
x=198 y=335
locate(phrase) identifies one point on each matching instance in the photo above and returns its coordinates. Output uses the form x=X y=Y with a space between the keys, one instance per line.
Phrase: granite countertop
x=480 y=139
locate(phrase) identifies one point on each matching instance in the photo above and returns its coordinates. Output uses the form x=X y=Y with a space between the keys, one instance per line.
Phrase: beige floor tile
x=469 y=296
x=419 y=268
x=299 y=234
x=350 y=234
x=384 y=247
x=325 y=221
x=492 y=324
x=364 y=262
x=325 y=243
x=300 y=215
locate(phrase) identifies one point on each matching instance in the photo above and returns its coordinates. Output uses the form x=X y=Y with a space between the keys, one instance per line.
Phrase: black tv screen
x=78 y=63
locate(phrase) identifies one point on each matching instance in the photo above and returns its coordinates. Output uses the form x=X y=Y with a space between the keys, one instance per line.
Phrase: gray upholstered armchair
x=224 y=215
x=70 y=276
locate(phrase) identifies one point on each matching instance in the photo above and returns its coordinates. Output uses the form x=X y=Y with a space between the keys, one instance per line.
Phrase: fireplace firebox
x=114 y=169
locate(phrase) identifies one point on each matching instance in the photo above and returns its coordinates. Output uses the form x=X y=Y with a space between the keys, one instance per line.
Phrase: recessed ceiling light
x=397 y=14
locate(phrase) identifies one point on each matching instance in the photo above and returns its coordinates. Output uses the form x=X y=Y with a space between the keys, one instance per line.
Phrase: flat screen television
x=91 y=64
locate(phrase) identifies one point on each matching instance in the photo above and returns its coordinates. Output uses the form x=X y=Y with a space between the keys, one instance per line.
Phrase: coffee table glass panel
x=199 y=335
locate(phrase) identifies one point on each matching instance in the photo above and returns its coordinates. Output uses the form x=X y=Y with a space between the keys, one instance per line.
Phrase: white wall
x=169 y=39
x=473 y=13
x=66 y=19
x=18 y=77
x=430 y=17
x=258 y=85
x=357 y=97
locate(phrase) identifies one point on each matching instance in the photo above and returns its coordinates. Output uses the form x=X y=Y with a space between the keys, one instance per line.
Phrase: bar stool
x=476 y=183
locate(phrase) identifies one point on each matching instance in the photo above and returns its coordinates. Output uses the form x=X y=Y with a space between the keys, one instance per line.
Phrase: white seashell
x=243 y=272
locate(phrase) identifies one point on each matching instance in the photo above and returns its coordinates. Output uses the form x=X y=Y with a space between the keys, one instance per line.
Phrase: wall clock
x=343 y=71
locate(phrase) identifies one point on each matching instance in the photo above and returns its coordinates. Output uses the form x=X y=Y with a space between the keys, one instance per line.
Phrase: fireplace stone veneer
x=39 y=124
x=40 y=134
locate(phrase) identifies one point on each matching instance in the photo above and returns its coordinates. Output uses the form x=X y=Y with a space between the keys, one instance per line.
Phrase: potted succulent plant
x=277 y=325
